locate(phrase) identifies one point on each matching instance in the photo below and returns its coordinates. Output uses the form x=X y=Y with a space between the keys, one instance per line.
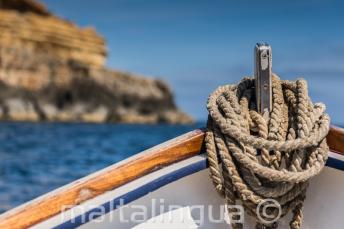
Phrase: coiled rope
x=252 y=158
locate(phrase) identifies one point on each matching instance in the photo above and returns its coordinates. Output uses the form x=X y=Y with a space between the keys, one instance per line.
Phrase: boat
x=168 y=186
x=175 y=171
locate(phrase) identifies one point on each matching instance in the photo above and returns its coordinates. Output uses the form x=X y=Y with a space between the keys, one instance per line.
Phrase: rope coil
x=252 y=158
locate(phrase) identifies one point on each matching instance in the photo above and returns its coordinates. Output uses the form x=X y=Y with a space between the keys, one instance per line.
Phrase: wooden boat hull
x=185 y=190
x=141 y=189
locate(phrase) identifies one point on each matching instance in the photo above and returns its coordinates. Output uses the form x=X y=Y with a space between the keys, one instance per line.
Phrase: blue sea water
x=38 y=157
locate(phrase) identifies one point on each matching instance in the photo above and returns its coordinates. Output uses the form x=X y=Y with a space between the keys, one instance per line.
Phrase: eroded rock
x=50 y=69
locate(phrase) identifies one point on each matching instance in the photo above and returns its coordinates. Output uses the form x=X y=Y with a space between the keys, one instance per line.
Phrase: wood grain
x=114 y=176
x=335 y=139
x=177 y=149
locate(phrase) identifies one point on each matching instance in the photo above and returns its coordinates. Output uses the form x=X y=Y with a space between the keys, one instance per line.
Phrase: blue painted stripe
x=335 y=163
x=134 y=194
x=152 y=186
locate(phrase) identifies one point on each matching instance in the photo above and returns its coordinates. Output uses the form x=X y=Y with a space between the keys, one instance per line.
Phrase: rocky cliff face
x=52 y=70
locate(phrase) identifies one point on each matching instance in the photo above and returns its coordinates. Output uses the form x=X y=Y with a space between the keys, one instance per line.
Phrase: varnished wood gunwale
x=335 y=139
x=177 y=149
x=107 y=179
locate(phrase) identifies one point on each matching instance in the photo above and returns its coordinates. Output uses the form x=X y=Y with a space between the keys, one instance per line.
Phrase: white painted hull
x=186 y=186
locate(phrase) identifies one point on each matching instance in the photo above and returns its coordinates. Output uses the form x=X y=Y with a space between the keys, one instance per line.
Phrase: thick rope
x=252 y=159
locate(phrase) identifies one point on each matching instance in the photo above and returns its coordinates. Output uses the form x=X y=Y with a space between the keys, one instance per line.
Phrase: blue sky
x=198 y=45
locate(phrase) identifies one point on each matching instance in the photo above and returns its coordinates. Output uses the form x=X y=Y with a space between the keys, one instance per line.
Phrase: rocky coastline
x=52 y=70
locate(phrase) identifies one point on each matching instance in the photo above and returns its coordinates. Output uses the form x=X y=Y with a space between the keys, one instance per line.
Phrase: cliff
x=50 y=69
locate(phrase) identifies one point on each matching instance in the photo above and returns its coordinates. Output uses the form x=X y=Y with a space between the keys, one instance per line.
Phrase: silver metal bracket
x=262 y=73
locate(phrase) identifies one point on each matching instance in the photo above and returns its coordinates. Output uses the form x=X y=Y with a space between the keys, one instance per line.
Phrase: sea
x=36 y=158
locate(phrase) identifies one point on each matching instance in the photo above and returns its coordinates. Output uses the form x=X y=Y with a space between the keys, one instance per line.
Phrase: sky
x=197 y=45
